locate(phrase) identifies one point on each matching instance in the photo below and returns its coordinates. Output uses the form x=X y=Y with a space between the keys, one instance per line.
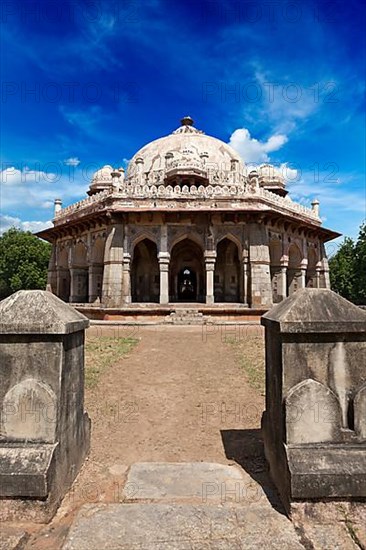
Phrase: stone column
x=317 y=277
x=261 y=287
x=127 y=278
x=95 y=275
x=282 y=290
x=164 y=258
x=73 y=285
x=52 y=272
x=245 y=279
x=210 y=258
x=113 y=266
x=303 y=268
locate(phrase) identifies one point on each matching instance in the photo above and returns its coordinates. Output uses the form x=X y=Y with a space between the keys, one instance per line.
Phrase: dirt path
x=180 y=395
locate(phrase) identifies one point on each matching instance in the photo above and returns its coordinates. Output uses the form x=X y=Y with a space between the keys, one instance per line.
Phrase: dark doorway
x=145 y=278
x=187 y=273
x=187 y=285
x=227 y=272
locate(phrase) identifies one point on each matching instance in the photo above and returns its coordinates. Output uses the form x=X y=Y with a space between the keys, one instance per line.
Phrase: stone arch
x=275 y=255
x=232 y=238
x=196 y=239
x=80 y=254
x=141 y=236
x=310 y=280
x=29 y=412
x=227 y=271
x=294 y=268
x=63 y=273
x=80 y=273
x=145 y=275
x=313 y=414
x=96 y=269
x=187 y=282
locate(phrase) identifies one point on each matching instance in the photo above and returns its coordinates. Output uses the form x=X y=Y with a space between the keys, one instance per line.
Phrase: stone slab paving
x=180 y=527
x=197 y=506
x=194 y=481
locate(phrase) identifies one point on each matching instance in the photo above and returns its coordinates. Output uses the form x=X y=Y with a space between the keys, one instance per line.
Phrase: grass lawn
x=249 y=350
x=101 y=352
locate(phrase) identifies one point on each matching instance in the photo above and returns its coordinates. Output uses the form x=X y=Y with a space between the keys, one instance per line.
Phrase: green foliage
x=23 y=262
x=348 y=269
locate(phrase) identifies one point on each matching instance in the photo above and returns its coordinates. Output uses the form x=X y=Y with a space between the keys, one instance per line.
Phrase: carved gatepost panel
x=44 y=431
x=314 y=425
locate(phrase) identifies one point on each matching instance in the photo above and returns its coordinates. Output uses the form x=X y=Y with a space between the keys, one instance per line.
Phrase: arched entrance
x=63 y=275
x=186 y=278
x=294 y=269
x=311 y=269
x=275 y=254
x=145 y=275
x=227 y=272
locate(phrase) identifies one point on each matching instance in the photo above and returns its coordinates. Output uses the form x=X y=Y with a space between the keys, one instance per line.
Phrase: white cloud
x=253 y=150
x=6 y=222
x=72 y=161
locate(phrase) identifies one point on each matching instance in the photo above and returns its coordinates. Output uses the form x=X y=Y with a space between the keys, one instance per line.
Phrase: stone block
x=314 y=423
x=45 y=432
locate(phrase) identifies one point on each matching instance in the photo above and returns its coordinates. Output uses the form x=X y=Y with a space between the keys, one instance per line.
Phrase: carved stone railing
x=128 y=191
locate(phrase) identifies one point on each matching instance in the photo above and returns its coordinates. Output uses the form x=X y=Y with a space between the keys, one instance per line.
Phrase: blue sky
x=87 y=83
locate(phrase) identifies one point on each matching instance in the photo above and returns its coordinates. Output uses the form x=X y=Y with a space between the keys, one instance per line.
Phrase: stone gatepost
x=44 y=431
x=314 y=425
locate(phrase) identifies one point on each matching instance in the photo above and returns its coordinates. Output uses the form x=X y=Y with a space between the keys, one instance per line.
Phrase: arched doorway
x=275 y=254
x=187 y=274
x=63 y=275
x=80 y=281
x=294 y=269
x=310 y=280
x=96 y=269
x=145 y=275
x=227 y=272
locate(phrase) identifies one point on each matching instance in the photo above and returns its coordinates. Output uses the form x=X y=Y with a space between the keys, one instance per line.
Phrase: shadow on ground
x=247 y=449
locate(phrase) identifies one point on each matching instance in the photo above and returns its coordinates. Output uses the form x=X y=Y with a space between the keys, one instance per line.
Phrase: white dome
x=101 y=180
x=186 y=146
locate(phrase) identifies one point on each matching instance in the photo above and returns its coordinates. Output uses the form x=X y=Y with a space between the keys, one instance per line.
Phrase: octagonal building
x=187 y=223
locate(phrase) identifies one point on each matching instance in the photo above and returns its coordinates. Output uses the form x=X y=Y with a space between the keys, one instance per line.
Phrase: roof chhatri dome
x=186 y=144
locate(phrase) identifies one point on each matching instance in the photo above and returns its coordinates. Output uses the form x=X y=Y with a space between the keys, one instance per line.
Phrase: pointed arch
x=145 y=275
x=187 y=274
x=294 y=268
x=227 y=271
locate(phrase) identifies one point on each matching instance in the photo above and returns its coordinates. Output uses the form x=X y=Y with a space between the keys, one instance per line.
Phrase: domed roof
x=102 y=179
x=186 y=145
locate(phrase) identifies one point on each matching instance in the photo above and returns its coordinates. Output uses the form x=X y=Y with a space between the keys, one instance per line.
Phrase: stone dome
x=101 y=180
x=186 y=151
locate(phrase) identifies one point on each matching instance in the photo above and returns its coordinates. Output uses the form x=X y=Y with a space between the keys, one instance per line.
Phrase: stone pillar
x=164 y=258
x=314 y=425
x=45 y=433
x=282 y=290
x=52 y=272
x=317 y=276
x=260 y=275
x=302 y=279
x=245 y=267
x=95 y=280
x=210 y=258
x=127 y=278
x=113 y=266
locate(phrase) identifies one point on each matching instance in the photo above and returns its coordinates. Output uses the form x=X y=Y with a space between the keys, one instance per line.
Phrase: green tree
x=23 y=262
x=342 y=270
x=360 y=267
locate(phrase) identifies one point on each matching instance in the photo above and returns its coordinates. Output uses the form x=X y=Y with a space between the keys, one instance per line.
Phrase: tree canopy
x=23 y=262
x=348 y=269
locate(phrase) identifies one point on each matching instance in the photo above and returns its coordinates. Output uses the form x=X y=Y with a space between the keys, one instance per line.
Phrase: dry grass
x=101 y=352
x=249 y=350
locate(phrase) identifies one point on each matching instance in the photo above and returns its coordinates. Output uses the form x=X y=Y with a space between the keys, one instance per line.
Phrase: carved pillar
x=127 y=278
x=245 y=279
x=52 y=272
x=113 y=258
x=260 y=276
x=164 y=258
x=210 y=258
x=282 y=286
x=95 y=280
x=302 y=279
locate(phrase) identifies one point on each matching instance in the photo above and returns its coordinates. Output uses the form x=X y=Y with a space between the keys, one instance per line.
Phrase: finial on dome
x=187 y=121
